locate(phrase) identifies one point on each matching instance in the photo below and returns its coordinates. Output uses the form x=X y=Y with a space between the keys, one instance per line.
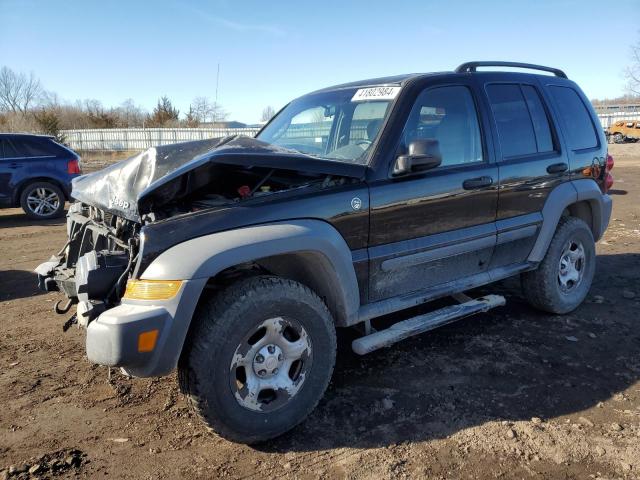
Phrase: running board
x=424 y=323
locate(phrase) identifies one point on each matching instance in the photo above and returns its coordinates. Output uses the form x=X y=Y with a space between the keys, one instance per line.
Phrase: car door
x=531 y=163
x=10 y=167
x=437 y=226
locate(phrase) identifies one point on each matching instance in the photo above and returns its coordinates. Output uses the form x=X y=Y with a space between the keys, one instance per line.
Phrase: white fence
x=118 y=139
x=606 y=119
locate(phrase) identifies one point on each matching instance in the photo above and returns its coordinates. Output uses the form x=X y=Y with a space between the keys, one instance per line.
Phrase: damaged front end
x=93 y=267
x=130 y=212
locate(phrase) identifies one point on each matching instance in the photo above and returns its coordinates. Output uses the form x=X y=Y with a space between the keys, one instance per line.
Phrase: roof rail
x=471 y=67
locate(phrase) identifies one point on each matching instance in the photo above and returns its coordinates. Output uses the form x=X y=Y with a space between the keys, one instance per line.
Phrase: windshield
x=340 y=125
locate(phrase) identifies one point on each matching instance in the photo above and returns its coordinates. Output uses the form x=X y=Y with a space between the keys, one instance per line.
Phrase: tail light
x=610 y=163
x=608 y=178
x=73 y=166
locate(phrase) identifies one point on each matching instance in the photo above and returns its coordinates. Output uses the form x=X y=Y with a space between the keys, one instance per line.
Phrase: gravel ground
x=512 y=394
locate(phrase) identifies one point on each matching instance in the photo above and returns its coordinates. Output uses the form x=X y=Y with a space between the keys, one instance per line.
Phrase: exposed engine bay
x=232 y=184
x=104 y=229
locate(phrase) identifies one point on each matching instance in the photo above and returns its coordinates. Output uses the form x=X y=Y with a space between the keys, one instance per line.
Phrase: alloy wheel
x=270 y=365
x=42 y=201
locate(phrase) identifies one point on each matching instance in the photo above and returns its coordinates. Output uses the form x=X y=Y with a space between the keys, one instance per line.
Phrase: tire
x=222 y=358
x=618 y=138
x=553 y=287
x=42 y=201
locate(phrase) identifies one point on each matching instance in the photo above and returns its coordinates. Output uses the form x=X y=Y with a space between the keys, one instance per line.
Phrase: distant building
x=617 y=108
x=609 y=113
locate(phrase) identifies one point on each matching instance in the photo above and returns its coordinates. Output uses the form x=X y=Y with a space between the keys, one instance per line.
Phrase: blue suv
x=36 y=173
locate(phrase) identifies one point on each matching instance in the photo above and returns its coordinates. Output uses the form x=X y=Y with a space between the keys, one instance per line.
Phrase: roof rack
x=472 y=66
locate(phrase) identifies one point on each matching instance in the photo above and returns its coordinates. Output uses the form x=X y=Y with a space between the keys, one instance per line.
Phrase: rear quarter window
x=34 y=147
x=9 y=149
x=575 y=117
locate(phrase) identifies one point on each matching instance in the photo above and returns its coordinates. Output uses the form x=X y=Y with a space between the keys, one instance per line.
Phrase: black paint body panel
x=422 y=231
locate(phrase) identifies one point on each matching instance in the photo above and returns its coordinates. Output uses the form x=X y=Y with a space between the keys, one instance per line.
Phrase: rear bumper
x=113 y=338
x=607 y=205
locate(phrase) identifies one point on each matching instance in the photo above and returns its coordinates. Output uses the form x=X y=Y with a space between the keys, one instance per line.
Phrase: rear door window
x=575 y=117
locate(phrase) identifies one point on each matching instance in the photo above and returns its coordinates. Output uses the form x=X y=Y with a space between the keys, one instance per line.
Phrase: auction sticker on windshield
x=376 y=93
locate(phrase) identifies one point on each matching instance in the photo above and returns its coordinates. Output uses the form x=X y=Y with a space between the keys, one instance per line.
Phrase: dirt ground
x=509 y=394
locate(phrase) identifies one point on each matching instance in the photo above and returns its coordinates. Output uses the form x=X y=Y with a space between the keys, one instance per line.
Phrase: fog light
x=147 y=341
x=152 y=289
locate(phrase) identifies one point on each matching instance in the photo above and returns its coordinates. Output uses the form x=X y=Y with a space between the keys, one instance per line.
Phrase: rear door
x=10 y=169
x=531 y=163
x=434 y=227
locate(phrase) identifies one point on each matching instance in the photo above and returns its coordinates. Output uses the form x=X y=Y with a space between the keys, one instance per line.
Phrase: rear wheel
x=259 y=358
x=563 y=278
x=42 y=200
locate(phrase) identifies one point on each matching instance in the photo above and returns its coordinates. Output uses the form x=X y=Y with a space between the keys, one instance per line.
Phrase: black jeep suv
x=235 y=259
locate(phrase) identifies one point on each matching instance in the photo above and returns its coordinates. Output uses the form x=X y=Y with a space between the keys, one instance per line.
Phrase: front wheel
x=259 y=358
x=618 y=138
x=563 y=278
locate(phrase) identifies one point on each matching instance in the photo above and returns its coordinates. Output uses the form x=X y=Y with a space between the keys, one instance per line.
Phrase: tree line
x=26 y=106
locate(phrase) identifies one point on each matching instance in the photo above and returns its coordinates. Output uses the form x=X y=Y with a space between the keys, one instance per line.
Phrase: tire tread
x=215 y=316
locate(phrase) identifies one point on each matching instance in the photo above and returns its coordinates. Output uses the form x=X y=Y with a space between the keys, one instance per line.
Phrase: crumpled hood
x=160 y=174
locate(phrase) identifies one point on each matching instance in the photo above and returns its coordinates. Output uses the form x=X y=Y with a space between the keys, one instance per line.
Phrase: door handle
x=479 y=182
x=557 y=168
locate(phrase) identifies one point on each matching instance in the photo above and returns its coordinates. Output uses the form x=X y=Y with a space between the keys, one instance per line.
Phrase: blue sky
x=271 y=52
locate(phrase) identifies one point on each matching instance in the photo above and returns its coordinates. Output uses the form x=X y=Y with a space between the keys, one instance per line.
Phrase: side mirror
x=424 y=154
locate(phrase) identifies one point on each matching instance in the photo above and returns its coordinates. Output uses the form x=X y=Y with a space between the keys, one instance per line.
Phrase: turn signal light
x=152 y=289
x=147 y=341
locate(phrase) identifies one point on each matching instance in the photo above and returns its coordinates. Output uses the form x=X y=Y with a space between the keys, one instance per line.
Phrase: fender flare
x=562 y=197
x=206 y=256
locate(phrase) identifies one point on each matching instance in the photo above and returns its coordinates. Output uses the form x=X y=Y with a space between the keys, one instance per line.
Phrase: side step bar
x=424 y=323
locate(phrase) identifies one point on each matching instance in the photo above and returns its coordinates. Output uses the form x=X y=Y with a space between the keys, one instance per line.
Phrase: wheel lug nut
x=262 y=373
x=271 y=349
x=279 y=357
x=259 y=359
x=275 y=371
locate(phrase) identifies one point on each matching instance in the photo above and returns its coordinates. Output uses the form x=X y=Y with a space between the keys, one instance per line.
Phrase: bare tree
x=129 y=114
x=219 y=113
x=202 y=109
x=267 y=113
x=18 y=92
x=632 y=73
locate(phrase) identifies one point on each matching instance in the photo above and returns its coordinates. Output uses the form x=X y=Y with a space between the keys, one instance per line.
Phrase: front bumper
x=113 y=338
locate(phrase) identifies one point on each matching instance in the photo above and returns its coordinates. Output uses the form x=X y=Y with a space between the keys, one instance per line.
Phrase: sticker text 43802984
x=375 y=93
